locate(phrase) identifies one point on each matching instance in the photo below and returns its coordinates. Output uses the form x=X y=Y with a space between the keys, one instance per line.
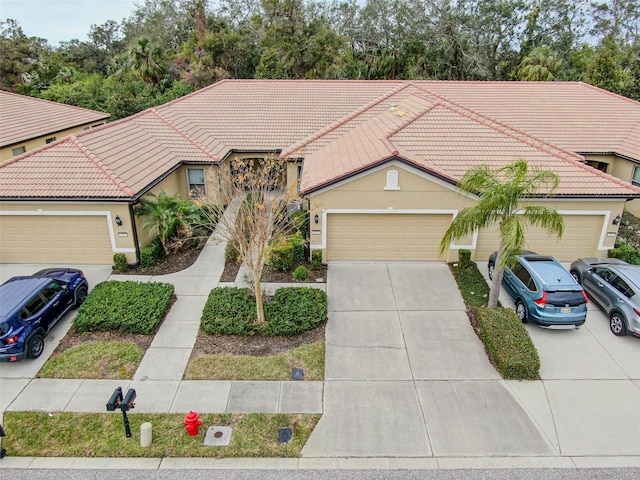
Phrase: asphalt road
x=506 y=474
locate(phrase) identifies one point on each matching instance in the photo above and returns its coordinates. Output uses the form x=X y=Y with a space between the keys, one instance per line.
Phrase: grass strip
x=273 y=367
x=65 y=434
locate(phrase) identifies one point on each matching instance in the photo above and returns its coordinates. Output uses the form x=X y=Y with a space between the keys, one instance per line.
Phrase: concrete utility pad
x=596 y=417
x=360 y=286
x=443 y=345
x=478 y=418
x=363 y=419
x=424 y=286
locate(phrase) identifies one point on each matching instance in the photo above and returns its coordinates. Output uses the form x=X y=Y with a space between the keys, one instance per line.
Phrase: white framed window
x=18 y=151
x=196 y=181
x=636 y=176
x=392 y=180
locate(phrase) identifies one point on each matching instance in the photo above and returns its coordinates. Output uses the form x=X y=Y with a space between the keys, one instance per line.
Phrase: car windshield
x=571 y=298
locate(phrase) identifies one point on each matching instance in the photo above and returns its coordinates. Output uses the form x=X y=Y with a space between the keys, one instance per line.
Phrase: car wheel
x=616 y=324
x=35 y=346
x=576 y=276
x=521 y=311
x=492 y=269
x=81 y=295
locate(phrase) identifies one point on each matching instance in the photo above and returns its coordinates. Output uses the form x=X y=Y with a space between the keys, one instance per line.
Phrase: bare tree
x=256 y=218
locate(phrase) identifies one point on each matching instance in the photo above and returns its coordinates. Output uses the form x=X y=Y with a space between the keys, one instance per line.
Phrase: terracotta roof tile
x=23 y=118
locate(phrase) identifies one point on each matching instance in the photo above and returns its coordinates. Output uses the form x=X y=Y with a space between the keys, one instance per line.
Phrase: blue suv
x=31 y=305
x=543 y=290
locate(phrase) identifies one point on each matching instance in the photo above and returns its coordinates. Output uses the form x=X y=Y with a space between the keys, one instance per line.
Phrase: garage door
x=55 y=239
x=580 y=239
x=385 y=236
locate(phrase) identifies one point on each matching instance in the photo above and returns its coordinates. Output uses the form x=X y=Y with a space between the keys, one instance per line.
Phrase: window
x=622 y=287
x=18 y=151
x=196 y=182
x=602 y=166
x=603 y=273
x=525 y=277
x=392 y=180
x=51 y=290
x=33 y=307
x=636 y=176
x=50 y=139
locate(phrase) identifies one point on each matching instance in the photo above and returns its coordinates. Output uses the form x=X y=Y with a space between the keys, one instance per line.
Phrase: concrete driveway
x=406 y=376
x=588 y=398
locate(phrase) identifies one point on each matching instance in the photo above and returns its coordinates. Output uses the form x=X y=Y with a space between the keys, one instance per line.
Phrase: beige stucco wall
x=622 y=169
x=5 y=152
x=423 y=194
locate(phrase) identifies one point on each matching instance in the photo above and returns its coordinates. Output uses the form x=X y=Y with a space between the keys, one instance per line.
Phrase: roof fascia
x=613 y=153
x=53 y=132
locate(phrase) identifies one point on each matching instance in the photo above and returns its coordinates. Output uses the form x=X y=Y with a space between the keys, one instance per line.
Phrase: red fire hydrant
x=192 y=422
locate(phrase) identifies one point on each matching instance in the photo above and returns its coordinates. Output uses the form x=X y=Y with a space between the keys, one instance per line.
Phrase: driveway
x=590 y=389
x=406 y=376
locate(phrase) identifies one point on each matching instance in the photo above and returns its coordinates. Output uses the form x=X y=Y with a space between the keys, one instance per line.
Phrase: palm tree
x=541 y=65
x=167 y=215
x=501 y=192
x=146 y=61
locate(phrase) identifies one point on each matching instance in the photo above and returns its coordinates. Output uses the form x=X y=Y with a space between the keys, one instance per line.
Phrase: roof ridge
x=342 y=121
x=198 y=145
x=505 y=129
x=50 y=102
x=409 y=121
x=110 y=175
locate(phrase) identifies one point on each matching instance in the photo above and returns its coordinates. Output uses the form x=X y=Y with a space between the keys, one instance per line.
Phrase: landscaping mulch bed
x=171 y=263
x=271 y=275
x=255 y=345
x=74 y=338
x=230 y=272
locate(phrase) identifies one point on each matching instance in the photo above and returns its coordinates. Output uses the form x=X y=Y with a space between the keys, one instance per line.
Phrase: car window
x=51 y=290
x=525 y=277
x=32 y=307
x=4 y=328
x=622 y=287
x=603 y=273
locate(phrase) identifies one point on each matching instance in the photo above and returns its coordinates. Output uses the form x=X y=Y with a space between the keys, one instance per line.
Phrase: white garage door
x=410 y=237
x=580 y=239
x=55 y=239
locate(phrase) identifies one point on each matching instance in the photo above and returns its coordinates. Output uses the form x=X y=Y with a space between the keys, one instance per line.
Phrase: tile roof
x=446 y=139
x=23 y=118
x=338 y=127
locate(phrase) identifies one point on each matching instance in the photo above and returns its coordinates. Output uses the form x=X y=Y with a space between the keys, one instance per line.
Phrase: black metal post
x=125 y=419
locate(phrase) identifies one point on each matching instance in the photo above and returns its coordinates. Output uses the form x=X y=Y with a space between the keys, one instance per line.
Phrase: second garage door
x=55 y=239
x=412 y=237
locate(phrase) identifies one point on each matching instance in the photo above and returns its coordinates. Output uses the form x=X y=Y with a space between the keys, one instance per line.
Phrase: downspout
x=135 y=233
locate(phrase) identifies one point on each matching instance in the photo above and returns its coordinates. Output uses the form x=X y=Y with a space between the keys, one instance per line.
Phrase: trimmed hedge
x=125 y=307
x=625 y=252
x=297 y=242
x=229 y=311
x=281 y=256
x=301 y=273
x=231 y=253
x=293 y=310
x=120 y=262
x=506 y=339
x=316 y=259
x=149 y=254
x=508 y=343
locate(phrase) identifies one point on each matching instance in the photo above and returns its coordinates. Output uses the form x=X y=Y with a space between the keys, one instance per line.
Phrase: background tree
x=541 y=65
x=502 y=193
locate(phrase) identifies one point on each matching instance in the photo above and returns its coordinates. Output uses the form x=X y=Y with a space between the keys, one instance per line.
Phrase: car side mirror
x=590 y=270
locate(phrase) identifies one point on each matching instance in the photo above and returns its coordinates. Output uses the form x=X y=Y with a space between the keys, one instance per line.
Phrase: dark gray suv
x=615 y=286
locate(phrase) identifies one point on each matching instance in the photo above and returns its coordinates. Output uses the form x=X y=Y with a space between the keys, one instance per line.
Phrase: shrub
x=625 y=252
x=508 y=343
x=301 y=273
x=281 y=256
x=229 y=311
x=125 y=307
x=231 y=253
x=472 y=285
x=120 y=262
x=299 y=222
x=297 y=242
x=294 y=310
x=464 y=258
x=149 y=254
x=316 y=260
